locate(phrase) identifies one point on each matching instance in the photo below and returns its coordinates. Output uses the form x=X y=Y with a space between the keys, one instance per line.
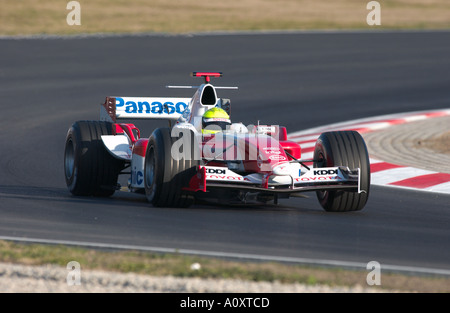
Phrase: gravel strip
x=15 y=278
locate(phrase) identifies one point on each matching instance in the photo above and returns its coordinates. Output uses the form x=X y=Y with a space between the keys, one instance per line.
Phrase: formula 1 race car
x=232 y=163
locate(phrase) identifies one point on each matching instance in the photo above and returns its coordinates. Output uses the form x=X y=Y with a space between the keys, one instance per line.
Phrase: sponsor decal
x=137 y=177
x=320 y=175
x=216 y=171
x=155 y=107
x=272 y=150
x=216 y=119
x=325 y=172
x=227 y=177
x=320 y=178
x=265 y=129
x=277 y=158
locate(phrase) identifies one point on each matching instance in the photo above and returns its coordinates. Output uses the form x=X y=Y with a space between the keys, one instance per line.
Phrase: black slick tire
x=90 y=170
x=343 y=148
x=166 y=176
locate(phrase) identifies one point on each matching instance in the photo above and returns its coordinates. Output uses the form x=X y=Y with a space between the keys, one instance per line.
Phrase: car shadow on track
x=52 y=194
x=33 y=194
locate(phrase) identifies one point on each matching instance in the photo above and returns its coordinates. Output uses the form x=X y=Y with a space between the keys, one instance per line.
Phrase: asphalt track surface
x=299 y=80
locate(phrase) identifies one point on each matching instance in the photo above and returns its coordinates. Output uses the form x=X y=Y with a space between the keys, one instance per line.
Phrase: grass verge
x=180 y=266
x=184 y=16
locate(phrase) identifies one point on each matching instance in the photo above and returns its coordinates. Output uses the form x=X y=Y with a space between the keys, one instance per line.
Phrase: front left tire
x=166 y=176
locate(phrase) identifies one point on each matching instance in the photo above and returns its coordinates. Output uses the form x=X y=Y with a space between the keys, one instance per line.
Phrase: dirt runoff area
x=422 y=144
x=438 y=143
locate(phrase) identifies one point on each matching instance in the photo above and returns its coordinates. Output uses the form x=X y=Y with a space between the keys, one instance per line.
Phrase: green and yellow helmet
x=216 y=120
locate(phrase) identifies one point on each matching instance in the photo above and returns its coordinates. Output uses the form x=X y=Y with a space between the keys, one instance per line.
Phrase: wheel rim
x=69 y=159
x=150 y=168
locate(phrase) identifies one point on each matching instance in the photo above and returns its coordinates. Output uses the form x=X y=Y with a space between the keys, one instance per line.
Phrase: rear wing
x=143 y=108
x=162 y=108
x=165 y=108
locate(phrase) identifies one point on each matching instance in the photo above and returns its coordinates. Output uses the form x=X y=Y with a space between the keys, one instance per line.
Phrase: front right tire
x=343 y=148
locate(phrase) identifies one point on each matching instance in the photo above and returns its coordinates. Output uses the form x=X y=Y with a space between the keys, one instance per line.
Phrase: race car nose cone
x=282 y=169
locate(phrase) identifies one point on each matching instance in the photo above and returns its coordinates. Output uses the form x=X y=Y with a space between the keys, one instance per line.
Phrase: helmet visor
x=216 y=123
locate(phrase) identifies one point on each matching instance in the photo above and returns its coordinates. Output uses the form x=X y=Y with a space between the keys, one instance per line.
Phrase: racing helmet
x=216 y=120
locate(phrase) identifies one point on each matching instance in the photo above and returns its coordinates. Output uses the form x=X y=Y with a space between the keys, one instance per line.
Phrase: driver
x=215 y=120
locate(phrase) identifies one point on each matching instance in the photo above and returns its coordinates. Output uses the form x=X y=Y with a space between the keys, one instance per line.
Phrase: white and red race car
x=178 y=165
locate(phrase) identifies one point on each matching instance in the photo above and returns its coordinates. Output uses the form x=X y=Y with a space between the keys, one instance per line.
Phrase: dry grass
x=182 y=16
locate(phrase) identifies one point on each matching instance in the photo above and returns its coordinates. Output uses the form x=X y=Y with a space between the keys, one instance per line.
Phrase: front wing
x=327 y=178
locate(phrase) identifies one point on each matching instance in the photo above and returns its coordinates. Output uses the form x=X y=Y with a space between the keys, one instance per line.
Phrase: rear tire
x=343 y=148
x=90 y=170
x=165 y=176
